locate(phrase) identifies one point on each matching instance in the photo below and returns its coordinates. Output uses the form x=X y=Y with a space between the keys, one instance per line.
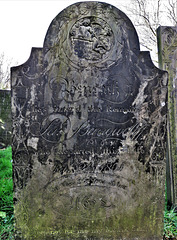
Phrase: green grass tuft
x=170 y=224
x=6 y=195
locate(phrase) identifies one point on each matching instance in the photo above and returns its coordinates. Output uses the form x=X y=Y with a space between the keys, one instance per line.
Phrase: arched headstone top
x=92 y=32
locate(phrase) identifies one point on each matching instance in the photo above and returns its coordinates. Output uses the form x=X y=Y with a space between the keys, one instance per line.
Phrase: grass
x=6 y=202
x=170 y=224
x=6 y=194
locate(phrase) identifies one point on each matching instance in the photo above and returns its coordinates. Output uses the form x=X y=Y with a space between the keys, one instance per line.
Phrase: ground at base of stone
x=166 y=238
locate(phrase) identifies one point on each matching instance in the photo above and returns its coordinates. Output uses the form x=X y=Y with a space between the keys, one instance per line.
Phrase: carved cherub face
x=86 y=22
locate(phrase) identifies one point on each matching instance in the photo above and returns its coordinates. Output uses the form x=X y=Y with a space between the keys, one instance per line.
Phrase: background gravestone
x=167 y=46
x=89 y=132
x=5 y=118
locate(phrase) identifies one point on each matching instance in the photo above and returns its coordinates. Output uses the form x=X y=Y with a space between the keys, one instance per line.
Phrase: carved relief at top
x=91 y=39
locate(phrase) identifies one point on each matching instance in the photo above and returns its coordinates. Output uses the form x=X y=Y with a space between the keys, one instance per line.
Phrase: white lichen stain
x=32 y=142
x=140 y=97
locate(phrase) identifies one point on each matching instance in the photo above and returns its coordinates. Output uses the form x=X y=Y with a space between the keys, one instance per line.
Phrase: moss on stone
x=53 y=214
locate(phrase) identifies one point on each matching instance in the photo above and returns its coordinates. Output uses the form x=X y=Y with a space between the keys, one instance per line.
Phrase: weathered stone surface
x=167 y=46
x=89 y=118
x=5 y=118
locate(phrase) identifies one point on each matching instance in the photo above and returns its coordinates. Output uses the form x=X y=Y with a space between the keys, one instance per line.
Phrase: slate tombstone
x=89 y=131
x=167 y=47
